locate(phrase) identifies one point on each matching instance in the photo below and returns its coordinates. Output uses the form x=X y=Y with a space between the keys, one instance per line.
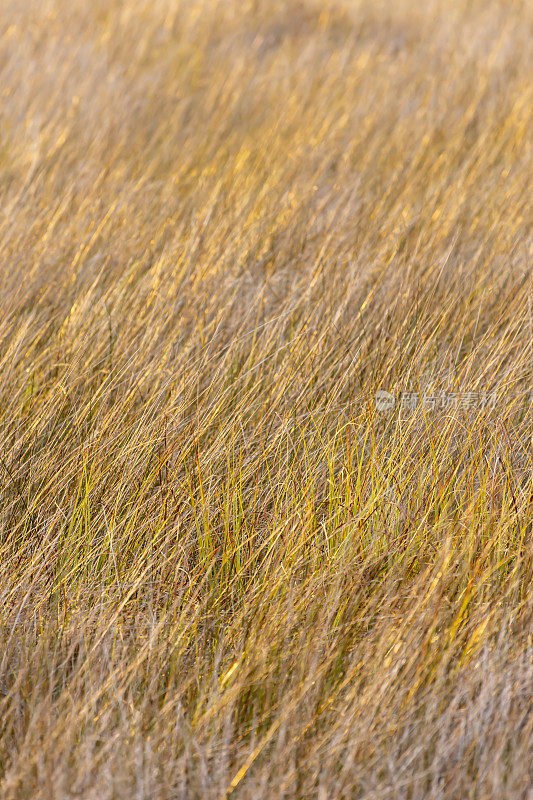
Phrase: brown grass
x=223 y=227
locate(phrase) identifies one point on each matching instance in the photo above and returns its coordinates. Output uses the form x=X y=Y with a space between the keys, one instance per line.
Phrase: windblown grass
x=223 y=227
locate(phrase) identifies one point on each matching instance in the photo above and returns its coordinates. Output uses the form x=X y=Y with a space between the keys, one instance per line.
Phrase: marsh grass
x=223 y=228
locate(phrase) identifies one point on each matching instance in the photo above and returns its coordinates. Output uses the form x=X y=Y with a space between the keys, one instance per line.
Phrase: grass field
x=224 y=571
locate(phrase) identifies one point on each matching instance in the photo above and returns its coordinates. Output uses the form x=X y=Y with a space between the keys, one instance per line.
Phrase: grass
x=223 y=228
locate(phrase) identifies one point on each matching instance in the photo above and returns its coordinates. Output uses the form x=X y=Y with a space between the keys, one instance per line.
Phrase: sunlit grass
x=223 y=228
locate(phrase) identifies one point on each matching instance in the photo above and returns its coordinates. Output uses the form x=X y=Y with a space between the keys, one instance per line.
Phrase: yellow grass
x=224 y=226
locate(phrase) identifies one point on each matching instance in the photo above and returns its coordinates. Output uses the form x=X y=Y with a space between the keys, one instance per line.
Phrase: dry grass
x=223 y=572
